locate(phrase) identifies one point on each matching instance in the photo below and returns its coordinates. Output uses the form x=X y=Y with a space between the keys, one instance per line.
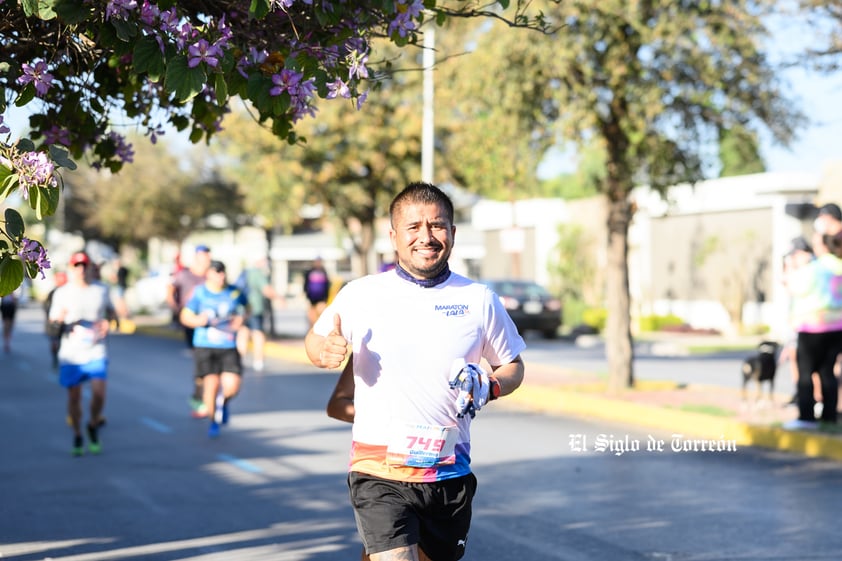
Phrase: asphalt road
x=272 y=486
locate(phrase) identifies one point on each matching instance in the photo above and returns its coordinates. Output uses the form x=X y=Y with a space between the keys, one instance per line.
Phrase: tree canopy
x=81 y=66
x=653 y=85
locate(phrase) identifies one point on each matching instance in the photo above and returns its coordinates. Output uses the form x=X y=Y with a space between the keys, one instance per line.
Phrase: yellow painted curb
x=561 y=401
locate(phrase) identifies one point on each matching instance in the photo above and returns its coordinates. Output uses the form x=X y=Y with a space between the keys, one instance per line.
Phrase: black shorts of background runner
x=8 y=310
x=216 y=361
x=392 y=514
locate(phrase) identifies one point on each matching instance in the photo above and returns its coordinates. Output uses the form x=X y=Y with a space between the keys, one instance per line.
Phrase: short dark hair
x=832 y=210
x=420 y=192
x=217 y=266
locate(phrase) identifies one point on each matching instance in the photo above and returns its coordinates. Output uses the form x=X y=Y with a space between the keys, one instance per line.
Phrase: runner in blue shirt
x=216 y=311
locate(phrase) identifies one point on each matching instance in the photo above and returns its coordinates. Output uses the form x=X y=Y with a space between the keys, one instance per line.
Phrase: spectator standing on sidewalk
x=800 y=253
x=216 y=311
x=259 y=293
x=816 y=290
x=81 y=312
x=828 y=219
x=181 y=287
x=417 y=334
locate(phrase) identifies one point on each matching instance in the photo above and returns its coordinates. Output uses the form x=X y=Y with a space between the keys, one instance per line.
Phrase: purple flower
x=284 y=81
x=169 y=21
x=122 y=150
x=33 y=252
x=202 y=51
x=185 y=34
x=403 y=24
x=356 y=64
x=57 y=135
x=149 y=13
x=34 y=169
x=37 y=75
x=119 y=9
x=361 y=99
x=155 y=132
x=338 y=88
x=3 y=128
x=225 y=33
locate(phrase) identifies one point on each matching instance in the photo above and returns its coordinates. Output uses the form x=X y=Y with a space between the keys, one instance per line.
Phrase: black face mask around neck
x=426 y=283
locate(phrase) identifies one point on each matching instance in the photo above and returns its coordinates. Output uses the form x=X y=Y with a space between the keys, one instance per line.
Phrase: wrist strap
x=495 y=390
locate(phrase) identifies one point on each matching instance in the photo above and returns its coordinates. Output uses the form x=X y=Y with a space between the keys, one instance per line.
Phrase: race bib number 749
x=418 y=445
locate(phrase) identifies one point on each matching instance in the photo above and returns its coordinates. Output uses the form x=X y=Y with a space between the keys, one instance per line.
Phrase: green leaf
x=149 y=59
x=30 y=7
x=125 y=31
x=183 y=81
x=35 y=202
x=49 y=200
x=14 y=224
x=8 y=186
x=221 y=89
x=26 y=95
x=45 y=10
x=26 y=145
x=61 y=158
x=503 y=3
x=71 y=12
x=259 y=8
x=11 y=274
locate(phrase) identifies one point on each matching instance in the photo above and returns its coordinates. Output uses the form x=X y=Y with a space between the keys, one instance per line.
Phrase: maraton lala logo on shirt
x=452 y=309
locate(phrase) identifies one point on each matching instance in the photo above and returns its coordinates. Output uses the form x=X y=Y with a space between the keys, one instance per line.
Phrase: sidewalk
x=710 y=413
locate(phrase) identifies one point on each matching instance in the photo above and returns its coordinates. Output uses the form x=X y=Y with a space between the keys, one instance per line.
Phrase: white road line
x=155 y=425
x=242 y=464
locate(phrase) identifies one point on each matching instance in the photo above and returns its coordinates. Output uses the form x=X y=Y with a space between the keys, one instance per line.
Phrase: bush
x=595 y=317
x=660 y=323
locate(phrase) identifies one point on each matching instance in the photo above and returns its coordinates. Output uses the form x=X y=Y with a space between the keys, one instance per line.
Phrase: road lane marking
x=155 y=425
x=242 y=464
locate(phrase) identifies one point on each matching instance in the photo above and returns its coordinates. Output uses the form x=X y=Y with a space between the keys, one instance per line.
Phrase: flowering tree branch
x=74 y=64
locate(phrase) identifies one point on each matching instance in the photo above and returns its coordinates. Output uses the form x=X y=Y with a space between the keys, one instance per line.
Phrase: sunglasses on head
x=80 y=264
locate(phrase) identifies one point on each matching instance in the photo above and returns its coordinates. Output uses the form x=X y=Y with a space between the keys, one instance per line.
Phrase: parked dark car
x=530 y=305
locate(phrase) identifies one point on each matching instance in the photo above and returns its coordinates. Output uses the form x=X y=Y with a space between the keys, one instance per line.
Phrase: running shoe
x=199 y=409
x=94 y=445
x=213 y=430
x=200 y=413
x=78 y=446
x=258 y=366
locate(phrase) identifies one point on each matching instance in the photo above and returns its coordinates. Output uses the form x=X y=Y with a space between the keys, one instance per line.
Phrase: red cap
x=79 y=257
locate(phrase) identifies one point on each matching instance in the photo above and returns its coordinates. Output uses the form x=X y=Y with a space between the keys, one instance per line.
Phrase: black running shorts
x=216 y=361
x=392 y=514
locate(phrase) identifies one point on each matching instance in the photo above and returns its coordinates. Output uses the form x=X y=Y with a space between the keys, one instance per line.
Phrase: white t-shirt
x=82 y=306
x=405 y=339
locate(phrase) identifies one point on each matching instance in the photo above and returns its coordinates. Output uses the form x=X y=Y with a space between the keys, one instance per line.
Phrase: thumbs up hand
x=335 y=347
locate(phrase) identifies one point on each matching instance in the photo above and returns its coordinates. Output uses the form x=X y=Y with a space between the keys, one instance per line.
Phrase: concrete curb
x=558 y=400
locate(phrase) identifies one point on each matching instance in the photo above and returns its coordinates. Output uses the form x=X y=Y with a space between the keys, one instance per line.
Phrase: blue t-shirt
x=221 y=307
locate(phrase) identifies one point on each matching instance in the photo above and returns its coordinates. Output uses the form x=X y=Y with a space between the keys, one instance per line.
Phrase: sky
x=819 y=142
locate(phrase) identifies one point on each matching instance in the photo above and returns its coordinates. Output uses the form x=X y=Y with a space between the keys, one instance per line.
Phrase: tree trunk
x=619 y=348
x=270 y=310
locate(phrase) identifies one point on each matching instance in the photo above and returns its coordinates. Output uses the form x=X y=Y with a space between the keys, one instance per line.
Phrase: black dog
x=761 y=367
